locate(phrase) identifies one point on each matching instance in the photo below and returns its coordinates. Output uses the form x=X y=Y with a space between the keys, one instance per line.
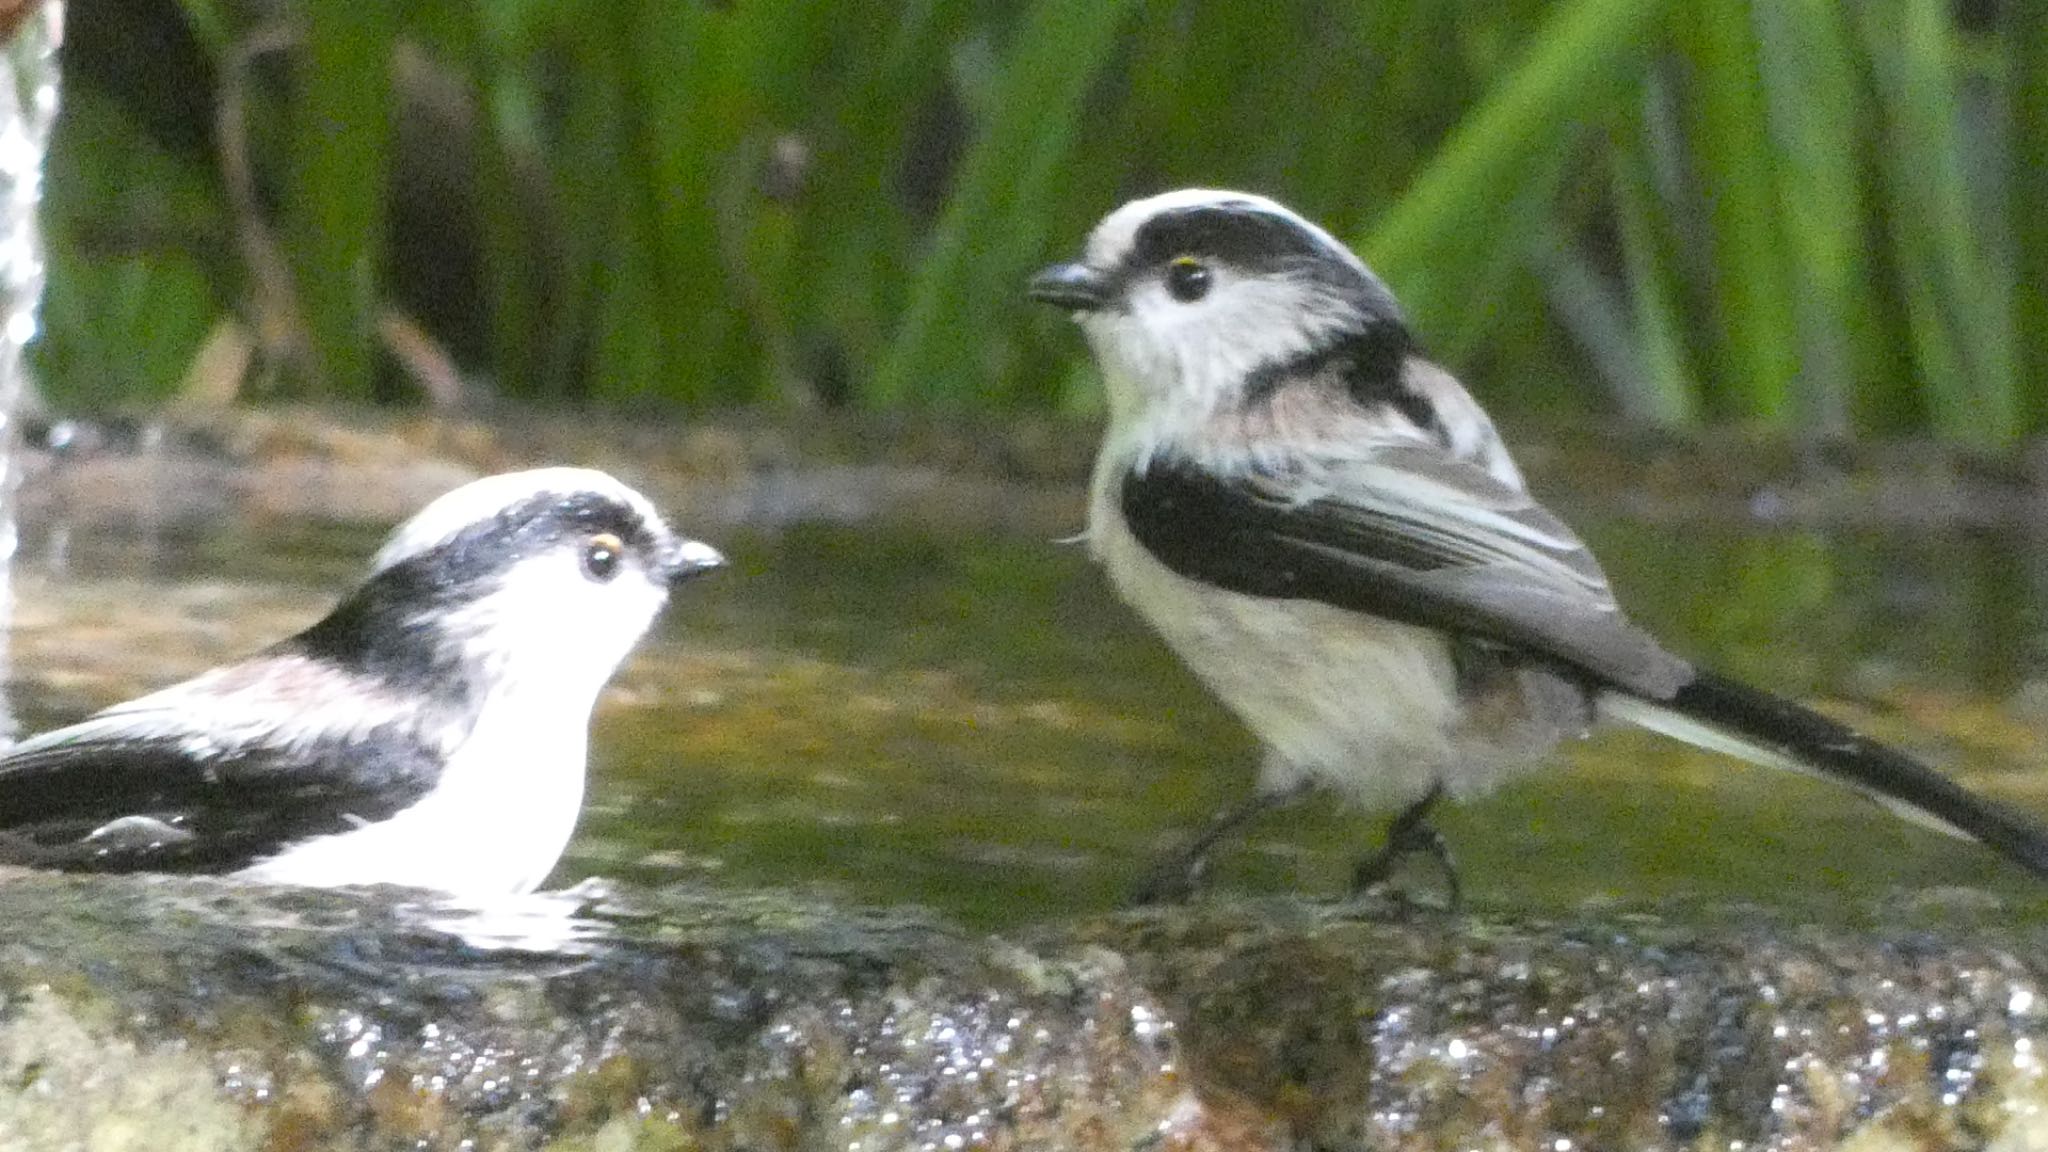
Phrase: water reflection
x=979 y=726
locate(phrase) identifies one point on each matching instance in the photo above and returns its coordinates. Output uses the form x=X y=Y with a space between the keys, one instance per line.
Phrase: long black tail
x=1725 y=716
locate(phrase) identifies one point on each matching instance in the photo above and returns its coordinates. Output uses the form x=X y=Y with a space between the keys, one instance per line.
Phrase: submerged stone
x=161 y=1013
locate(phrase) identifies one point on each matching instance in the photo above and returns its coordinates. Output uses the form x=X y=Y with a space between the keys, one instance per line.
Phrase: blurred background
x=766 y=258
x=1798 y=215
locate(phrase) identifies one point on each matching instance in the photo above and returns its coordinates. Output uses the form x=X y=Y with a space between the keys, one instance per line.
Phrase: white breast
x=496 y=822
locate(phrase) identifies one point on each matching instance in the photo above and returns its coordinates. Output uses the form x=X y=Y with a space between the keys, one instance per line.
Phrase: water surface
x=976 y=724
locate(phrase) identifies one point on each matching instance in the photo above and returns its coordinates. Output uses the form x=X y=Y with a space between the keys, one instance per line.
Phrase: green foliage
x=130 y=295
x=998 y=214
x=1795 y=213
x=1753 y=328
x=339 y=158
x=2026 y=67
x=1496 y=176
x=1805 y=227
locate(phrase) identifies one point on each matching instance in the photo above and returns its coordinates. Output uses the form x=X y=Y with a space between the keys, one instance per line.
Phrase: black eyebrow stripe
x=385 y=625
x=1236 y=232
x=532 y=526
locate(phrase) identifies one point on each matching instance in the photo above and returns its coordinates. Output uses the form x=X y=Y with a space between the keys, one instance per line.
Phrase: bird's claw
x=1410 y=835
x=1375 y=873
x=1173 y=880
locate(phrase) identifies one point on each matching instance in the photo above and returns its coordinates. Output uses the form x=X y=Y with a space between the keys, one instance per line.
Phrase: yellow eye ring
x=1188 y=279
x=601 y=556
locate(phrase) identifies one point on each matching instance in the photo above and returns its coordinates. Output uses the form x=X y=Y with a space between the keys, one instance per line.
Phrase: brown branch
x=273 y=301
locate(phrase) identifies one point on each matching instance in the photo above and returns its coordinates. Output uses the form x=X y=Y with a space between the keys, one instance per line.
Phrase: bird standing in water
x=1326 y=527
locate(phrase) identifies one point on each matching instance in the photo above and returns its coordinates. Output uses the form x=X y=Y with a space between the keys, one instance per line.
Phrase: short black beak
x=690 y=559
x=1075 y=287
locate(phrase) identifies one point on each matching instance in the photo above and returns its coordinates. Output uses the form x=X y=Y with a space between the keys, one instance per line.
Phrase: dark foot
x=1173 y=879
x=1410 y=835
x=1176 y=878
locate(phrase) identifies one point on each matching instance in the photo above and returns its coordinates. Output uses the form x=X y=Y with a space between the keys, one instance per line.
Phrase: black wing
x=1422 y=541
x=1456 y=550
x=152 y=786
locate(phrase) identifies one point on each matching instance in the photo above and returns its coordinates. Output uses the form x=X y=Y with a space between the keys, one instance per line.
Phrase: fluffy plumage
x=1328 y=530
x=429 y=731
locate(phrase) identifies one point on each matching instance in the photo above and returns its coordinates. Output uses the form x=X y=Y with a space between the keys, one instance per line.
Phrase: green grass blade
x=1756 y=338
x=680 y=109
x=807 y=190
x=552 y=224
x=517 y=272
x=210 y=25
x=996 y=220
x=1447 y=234
x=1812 y=80
x=1667 y=393
x=2027 y=76
x=1957 y=296
x=340 y=162
x=854 y=227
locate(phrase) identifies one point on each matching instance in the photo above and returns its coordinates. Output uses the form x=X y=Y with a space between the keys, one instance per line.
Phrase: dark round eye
x=601 y=556
x=1188 y=279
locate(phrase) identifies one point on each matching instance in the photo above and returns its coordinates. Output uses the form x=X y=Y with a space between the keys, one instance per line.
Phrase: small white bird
x=430 y=731
x=1326 y=528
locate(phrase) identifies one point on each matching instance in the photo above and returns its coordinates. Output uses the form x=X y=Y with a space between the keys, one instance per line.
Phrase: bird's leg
x=1409 y=835
x=1175 y=878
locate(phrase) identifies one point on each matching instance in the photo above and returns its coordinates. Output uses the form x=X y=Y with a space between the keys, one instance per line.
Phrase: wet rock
x=1612 y=1033
x=310 y=1020
x=195 y=1014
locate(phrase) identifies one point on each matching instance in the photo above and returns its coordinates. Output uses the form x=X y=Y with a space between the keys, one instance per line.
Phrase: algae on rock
x=239 y=1017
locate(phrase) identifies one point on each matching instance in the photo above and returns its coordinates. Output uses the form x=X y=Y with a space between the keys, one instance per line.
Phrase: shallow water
x=977 y=725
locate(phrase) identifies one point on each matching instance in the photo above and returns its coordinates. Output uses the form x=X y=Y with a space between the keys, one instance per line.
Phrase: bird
x=430 y=731
x=1328 y=530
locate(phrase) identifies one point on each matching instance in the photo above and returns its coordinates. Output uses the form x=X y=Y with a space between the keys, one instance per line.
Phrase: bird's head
x=1187 y=295
x=546 y=578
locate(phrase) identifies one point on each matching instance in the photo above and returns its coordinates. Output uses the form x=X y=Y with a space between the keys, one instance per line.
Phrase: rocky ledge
x=179 y=1014
x=948 y=471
